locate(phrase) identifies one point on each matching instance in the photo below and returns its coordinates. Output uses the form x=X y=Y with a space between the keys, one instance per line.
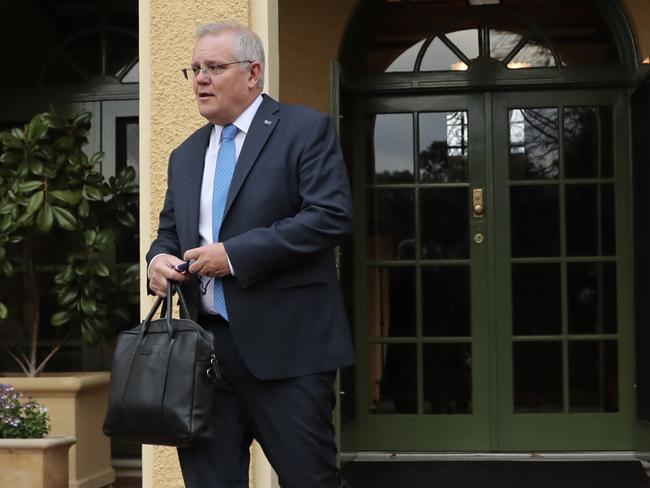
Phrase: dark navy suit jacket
x=288 y=206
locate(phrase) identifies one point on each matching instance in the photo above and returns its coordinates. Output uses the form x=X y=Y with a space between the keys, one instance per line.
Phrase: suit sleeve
x=322 y=221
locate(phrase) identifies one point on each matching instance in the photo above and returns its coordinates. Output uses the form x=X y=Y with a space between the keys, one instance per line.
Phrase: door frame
x=500 y=422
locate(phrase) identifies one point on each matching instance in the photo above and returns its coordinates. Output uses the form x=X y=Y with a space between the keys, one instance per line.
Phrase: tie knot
x=229 y=132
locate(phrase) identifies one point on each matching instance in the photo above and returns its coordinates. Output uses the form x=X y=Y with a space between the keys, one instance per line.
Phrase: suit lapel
x=263 y=124
x=193 y=168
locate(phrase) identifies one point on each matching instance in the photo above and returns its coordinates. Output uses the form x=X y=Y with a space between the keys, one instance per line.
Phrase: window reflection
x=534 y=147
x=446 y=305
x=447 y=378
x=536 y=299
x=391 y=301
x=588 y=142
x=406 y=60
x=444 y=147
x=467 y=41
x=535 y=221
x=593 y=376
x=591 y=220
x=391 y=223
x=438 y=57
x=534 y=54
x=537 y=377
x=591 y=298
x=392 y=378
x=444 y=223
x=502 y=43
x=392 y=148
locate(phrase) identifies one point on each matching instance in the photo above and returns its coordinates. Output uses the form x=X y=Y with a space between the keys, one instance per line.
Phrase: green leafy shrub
x=54 y=199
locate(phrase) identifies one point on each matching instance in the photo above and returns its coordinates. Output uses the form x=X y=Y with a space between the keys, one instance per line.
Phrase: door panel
x=420 y=274
x=561 y=254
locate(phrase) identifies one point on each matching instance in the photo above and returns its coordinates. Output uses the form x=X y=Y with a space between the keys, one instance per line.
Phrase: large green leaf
x=27 y=186
x=7 y=268
x=3 y=311
x=35 y=202
x=88 y=305
x=126 y=219
x=104 y=237
x=64 y=218
x=98 y=268
x=96 y=158
x=94 y=193
x=84 y=209
x=90 y=236
x=37 y=127
x=6 y=222
x=36 y=167
x=45 y=219
x=67 y=295
x=7 y=208
x=17 y=133
x=81 y=118
x=125 y=176
x=67 y=275
x=73 y=197
x=11 y=157
x=62 y=317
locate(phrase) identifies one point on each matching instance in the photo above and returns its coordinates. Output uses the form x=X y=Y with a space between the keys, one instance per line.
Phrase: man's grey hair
x=248 y=45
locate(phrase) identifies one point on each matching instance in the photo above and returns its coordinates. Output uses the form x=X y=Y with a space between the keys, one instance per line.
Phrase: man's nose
x=202 y=76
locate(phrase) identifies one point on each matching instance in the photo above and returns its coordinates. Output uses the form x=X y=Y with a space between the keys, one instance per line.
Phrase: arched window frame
x=494 y=73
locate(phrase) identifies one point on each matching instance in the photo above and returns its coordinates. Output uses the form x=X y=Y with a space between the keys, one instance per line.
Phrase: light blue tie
x=226 y=158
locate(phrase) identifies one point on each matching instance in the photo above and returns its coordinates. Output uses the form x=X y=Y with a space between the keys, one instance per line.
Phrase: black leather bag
x=163 y=377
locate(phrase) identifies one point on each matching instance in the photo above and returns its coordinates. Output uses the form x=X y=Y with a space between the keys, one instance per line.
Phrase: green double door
x=492 y=272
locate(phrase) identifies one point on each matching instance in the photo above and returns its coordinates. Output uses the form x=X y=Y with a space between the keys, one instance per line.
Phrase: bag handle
x=166 y=312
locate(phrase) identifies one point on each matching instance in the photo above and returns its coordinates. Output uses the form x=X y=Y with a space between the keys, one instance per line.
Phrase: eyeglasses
x=209 y=70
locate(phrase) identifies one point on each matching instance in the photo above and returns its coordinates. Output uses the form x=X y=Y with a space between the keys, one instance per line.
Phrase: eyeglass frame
x=213 y=69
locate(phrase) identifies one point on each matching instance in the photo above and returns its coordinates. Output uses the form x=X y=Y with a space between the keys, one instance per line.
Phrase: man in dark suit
x=257 y=200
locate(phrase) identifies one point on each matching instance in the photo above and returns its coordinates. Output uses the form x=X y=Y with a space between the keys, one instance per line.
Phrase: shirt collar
x=245 y=119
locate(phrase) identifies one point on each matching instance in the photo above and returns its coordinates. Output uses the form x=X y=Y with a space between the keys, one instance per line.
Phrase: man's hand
x=161 y=270
x=210 y=260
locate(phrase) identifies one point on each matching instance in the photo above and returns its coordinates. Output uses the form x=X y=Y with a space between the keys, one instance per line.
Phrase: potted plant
x=28 y=459
x=57 y=209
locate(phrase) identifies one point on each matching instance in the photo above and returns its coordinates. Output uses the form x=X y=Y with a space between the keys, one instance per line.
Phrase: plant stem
x=51 y=354
x=24 y=365
x=35 y=297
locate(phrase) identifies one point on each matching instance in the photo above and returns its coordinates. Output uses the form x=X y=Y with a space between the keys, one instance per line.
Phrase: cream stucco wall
x=167 y=116
x=310 y=36
x=639 y=15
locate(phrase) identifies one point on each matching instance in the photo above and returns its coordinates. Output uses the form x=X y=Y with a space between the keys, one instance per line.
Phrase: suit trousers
x=290 y=418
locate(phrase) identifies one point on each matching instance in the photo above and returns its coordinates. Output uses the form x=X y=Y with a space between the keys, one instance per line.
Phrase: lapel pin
x=267 y=122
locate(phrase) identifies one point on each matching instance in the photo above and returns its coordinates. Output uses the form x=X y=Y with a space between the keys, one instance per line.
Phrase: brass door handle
x=477 y=199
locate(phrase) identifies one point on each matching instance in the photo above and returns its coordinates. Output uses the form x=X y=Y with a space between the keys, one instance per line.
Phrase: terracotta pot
x=35 y=463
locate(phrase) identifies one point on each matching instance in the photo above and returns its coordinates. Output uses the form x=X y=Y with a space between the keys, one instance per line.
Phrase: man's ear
x=255 y=71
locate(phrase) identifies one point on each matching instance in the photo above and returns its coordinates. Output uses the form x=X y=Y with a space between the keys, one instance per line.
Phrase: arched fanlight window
x=94 y=56
x=70 y=43
x=433 y=36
